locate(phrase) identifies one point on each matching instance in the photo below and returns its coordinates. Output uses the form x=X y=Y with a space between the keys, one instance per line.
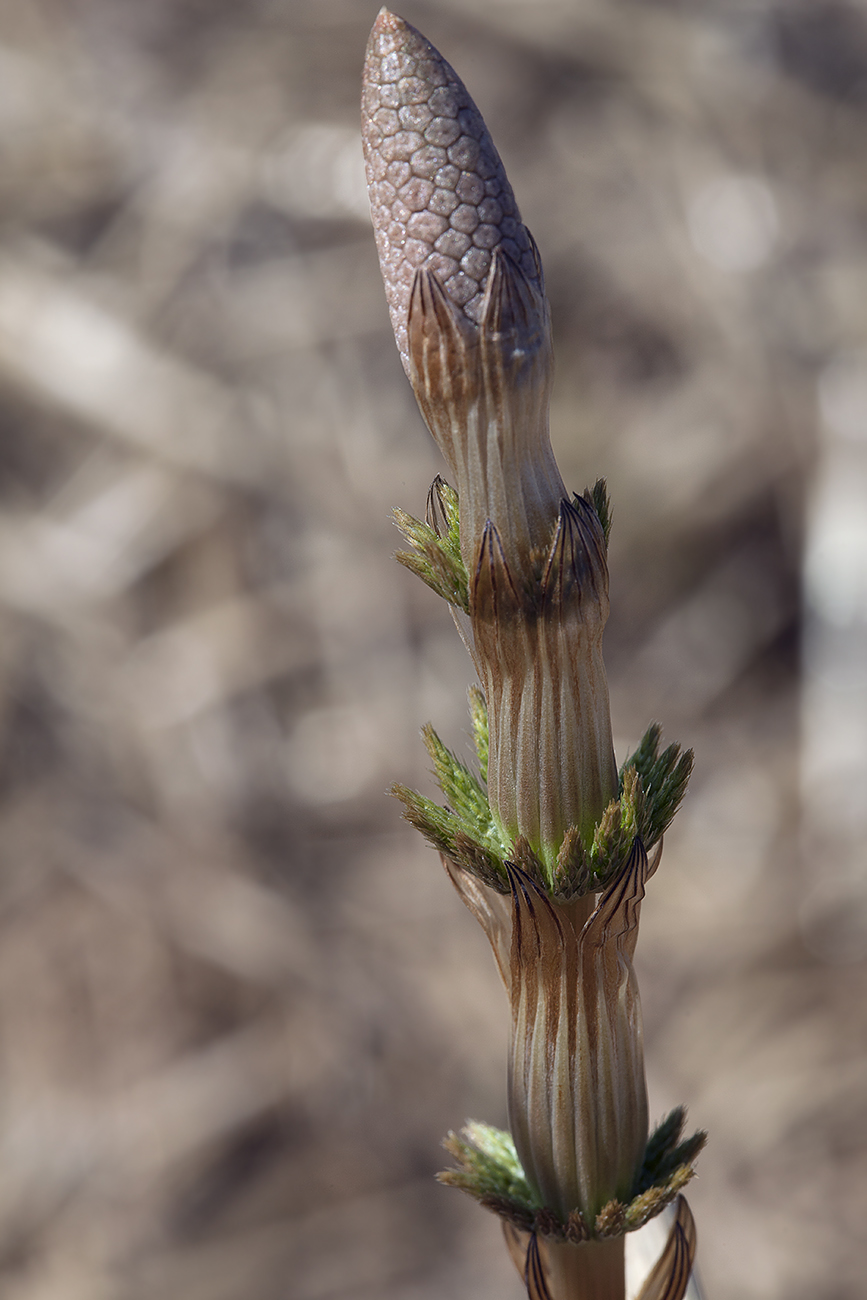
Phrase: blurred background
x=239 y=1002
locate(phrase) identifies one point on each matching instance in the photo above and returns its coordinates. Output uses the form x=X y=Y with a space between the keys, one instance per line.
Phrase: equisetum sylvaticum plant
x=548 y=844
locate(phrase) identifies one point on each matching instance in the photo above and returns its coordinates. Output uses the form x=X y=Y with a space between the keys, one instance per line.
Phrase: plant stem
x=595 y=1270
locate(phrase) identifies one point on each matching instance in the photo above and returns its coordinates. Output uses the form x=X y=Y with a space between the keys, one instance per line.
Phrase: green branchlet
x=446 y=834
x=664 y=779
x=598 y=498
x=463 y=792
x=465 y=831
x=436 y=554
x=667 y=1151
x=490 y=1172
x=489 y=1164
x=651 y=788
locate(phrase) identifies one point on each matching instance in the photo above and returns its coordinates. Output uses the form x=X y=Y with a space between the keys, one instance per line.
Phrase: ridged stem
x=595 y=1270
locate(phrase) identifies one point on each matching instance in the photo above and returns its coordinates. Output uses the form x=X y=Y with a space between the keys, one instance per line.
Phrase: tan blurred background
x=239 y=1002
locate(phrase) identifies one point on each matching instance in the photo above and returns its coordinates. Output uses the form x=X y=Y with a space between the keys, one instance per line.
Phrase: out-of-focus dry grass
x=239 y=1003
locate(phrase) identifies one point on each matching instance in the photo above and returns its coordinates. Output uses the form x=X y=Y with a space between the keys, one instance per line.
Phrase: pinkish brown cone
x=439 y=196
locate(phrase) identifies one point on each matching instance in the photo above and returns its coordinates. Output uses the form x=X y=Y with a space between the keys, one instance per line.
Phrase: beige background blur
x=239 y=1002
